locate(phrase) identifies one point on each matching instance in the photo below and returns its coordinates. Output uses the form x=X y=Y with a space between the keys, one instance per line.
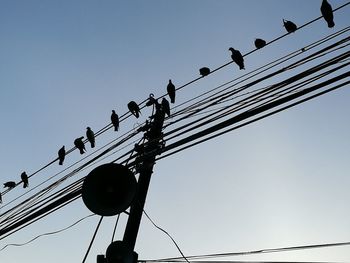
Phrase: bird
x=80 y=144
x=204 y=71
x=10 y=184
x=171 y=91
x=259 y=43
x=237 y=57
x=115 y=120
x=151 y=100
x=290 y=26
x=25 y=181
x=61 y=155
x=327 y=13
x=134 y=108
x=166 y=106
x=90 y=136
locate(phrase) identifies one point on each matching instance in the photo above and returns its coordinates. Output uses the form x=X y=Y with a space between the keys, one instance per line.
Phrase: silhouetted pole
x=146 y=158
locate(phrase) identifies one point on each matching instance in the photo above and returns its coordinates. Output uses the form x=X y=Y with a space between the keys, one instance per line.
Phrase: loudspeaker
x=109 y=189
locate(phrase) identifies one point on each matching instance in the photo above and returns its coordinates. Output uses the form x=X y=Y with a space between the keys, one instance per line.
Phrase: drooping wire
x=164 y=231
x=47 y=234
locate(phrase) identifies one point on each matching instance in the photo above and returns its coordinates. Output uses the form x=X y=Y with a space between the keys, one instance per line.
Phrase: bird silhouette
x=204 y=71
x=80 y=144
x=237 y=57
x=166 y=106
x=10 y=184
x=290 y=26
x=115 y=120
x=171 y=91
x=151 y=100
x=24 y=178
x=327 y=13
x=90 y=136
x=134 y=108
x=259 y=43
x=0 y=198
x=61 y=155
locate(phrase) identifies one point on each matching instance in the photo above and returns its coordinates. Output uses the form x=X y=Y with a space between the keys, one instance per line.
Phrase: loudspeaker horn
x=109 y=189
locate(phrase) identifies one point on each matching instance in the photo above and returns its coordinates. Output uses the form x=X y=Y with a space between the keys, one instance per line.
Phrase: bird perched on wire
x=115 y=120
x=90 y=136
x=24 y=178
x=61 y=155
x=10 y=184
x=80 y=144
x=327 y=13
x=171 y=91
x=290 y=26
x=134 y=108
x=204 y=71
x=151 y=100
x=237 y=57
x=259 y=43
x=166 y=106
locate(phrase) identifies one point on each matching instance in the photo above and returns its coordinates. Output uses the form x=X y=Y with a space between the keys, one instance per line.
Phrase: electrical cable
x=260 y=251
x=93 y=239
x=176 y=144
x=115 y=227
x=81 y=167
x=47 y=234
x=238 y=261
x=273 y=87
x=172 y=239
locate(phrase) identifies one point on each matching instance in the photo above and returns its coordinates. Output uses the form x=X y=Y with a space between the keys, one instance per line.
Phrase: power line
x=260 y=251
x=240 y=117
x=237 y=261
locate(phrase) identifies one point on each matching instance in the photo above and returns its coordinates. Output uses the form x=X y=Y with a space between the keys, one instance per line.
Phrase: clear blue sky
x=280 y=182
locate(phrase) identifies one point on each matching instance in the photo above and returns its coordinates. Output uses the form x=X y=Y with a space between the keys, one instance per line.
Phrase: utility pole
x=123 y=251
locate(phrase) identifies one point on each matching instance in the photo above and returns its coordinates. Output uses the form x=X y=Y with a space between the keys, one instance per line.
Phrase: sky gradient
x=282 y=181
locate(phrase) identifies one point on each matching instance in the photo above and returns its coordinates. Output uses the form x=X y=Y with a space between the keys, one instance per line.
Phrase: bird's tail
x=60 y=162
x=81 y=151
x=92 y=144
x=172 y=100
x=330 y=24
